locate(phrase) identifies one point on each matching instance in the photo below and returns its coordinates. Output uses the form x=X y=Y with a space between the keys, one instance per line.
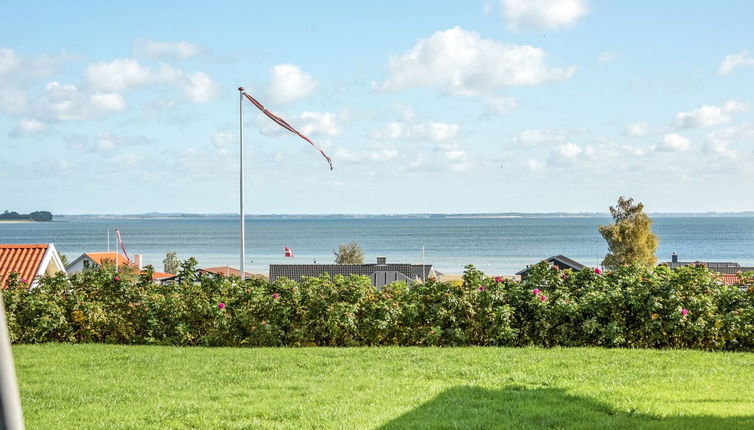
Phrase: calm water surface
x=497 y=246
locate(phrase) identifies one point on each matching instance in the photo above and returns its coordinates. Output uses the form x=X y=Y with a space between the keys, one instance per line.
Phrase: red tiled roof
x=100 y=257
x=225 y=271
x=161 y=275
x=730 y=279
x=21 y=259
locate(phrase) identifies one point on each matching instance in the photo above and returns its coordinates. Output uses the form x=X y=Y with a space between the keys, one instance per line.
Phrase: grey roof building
x=381 y=273
x=723 y=267
x=560 y=261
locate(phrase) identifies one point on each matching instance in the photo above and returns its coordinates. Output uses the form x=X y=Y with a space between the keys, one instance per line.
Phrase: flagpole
x=243 y=229
x=11 y=417
x=424 y=267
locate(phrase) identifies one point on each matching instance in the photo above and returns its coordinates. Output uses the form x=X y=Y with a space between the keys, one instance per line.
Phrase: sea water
x=494 y=245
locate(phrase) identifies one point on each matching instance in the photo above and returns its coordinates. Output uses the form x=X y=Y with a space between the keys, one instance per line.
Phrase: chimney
x=137 y=261
x=674 y=258
x=381 y=260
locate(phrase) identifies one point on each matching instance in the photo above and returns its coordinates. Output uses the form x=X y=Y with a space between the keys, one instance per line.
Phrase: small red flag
x=288 y=252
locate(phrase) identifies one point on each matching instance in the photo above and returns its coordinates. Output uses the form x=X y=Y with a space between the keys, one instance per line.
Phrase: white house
x=92 y=259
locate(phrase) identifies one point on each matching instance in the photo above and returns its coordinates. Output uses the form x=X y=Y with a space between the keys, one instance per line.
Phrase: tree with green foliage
x=629 y=239
x=170 y=264
x=349 y=253
x=40 y=216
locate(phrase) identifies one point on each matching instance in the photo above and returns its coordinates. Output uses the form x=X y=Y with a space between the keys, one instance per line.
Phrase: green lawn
x=108 y=386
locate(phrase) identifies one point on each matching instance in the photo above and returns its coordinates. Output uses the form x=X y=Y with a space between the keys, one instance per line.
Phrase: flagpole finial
x=240 y=88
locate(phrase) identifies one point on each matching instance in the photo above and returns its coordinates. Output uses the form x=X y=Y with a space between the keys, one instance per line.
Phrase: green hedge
x=630 y=307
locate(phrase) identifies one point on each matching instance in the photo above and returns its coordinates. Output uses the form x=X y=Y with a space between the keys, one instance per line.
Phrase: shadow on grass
x=518 y=407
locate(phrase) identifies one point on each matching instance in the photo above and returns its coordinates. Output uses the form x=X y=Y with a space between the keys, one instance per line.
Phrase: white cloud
x=610 y=151
x=223 y=141
x=108 y=142
x=435 y=131
x=28 y=127
x=308 y=123
x=320 y=124
x=720 y=141
x=108 y=101
x=66 y=168
x=180 y=50
x=104 y=144
x=200 y=88
x=119 y=75
x=124 y=74
x=487 y=7
x=709 y=115
x=461 y=62
x=544 y=14
x=535 y=165
x=500 y=105
x=735 y=60
x=18 y=73
x=607 y=57
x=374 y=153
x=289 y=83
x=533 y=137
x=392 y=131
x=20 y=67
x=673 y=142
x=457 y=157
x=127 y=160
x=638 y=129
x=428 y=131
x=717 y=146
x=568 y=151
x=67 y=102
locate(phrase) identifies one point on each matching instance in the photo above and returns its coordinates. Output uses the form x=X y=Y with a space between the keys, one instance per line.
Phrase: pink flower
x=482 y=288
x=117 y=278
x=499 y=279
x=24 y=281
x=276 y=296
x=221 y=305
x=535 y=291
x=684 y=312
x=564 y=275
x=542 y=298
x=597 y=270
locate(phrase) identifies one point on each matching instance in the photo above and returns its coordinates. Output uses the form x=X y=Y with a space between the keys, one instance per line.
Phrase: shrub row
x=630 y=307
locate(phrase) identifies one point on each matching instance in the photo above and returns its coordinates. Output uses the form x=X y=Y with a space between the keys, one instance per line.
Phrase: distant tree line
x=34 y=216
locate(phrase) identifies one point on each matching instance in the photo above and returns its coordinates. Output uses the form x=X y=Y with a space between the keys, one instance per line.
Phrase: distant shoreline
x=502 y=215
x=16 y=221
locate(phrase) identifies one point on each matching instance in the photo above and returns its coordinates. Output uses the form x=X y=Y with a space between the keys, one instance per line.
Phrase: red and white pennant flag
x=281 y=122
x=120 y=241
x=288 y=252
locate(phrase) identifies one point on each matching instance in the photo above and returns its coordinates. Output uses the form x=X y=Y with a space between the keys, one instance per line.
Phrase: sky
x=424 y=106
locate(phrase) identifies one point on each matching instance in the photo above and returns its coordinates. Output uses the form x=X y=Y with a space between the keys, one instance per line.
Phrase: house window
x=86 y=264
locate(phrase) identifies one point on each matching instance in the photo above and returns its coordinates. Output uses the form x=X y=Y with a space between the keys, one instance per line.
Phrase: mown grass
x=126 y=387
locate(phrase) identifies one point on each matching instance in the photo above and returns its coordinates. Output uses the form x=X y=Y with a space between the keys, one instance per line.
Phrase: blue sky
x=425 y=106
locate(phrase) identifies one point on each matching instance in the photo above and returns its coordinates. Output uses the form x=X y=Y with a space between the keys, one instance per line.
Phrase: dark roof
x=297 y=271
x=711 y=264
x=724 y=267
x=560 y=260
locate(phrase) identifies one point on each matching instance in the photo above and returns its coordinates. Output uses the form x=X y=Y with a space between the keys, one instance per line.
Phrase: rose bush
x=630 y=307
